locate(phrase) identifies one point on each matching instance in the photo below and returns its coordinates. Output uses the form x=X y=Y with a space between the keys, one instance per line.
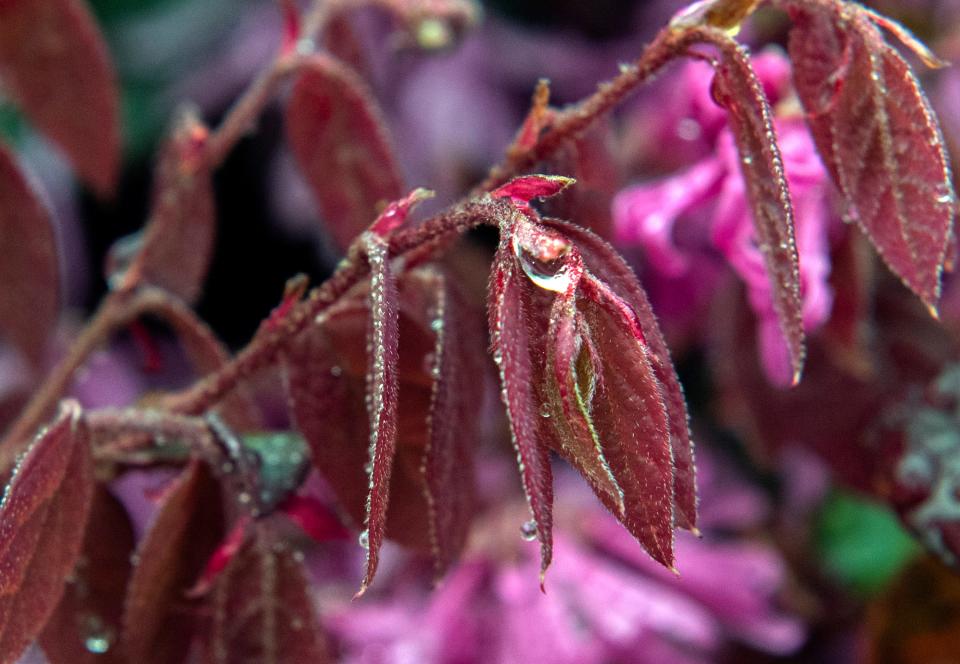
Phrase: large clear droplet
x=544 y=265
x=528 y=531
x=364 y=539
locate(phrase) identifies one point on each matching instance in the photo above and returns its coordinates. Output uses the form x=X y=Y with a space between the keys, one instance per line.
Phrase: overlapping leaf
x=737 y=88
x=430 y=479
x=42 y=521
x=28 y=263
x=610 y=268
x=878 y=137
x=86 y=625
x=261 y=610
x=55 y=65
x=337 y=134
x=158 y=620
x=510 y=340
x=176 y=245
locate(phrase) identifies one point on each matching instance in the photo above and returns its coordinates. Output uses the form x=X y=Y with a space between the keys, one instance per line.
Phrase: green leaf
x=862 y=542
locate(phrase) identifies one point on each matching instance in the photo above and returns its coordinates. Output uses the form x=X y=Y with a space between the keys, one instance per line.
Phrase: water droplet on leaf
x=528 y=531
x=364 y=539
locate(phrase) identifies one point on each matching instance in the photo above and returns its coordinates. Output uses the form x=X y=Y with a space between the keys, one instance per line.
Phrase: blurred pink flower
x=683 y=220
x=605 y=600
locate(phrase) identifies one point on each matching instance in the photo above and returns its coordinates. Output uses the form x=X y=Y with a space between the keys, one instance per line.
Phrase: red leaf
x=382 y=385
x=525 y=188
x=55 y=65
x=178 y=239
x=313 y=517
x=327 y=367
x=878 y=137
x=737 y=88
x=28 y=263
x=158 y=620
x=262 y=611
x=511 y=340
x=603 y=261
x=338 y=136
x=42 y=521
x=447 y=462
x=86 y=624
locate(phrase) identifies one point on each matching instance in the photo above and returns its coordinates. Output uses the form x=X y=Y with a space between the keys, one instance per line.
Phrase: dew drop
x=550 y=275
x=335 y=371
x=747 y=160
x=98 y=638
x=945 y=198
x=545 y=414
x=528 y=531
x=364 y=539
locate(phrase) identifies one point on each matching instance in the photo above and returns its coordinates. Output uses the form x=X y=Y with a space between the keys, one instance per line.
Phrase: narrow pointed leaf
x=738 y=89
x=382 y=386
x=159 y=620
x=878 y=136
x=86 y=625
x=177 y=242
x=42 y=521
x=28 y=263
x=631 y=421
x=511 y=351
x=261 y=610
x=453 y=433
x=55 y=65
x=338 y=137
x=603 y=261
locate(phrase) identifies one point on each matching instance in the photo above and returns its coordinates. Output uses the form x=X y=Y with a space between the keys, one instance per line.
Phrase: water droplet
x=544 y=264
x=545 y=413
x=436 y=324
x=97 y=637
x=364 y=539
x=528 y=531
x=747 y=160
x=335 y=371
x=97 y=643
x=945 y=198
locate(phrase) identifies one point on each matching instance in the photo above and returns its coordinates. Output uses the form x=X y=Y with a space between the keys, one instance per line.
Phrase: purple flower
x=683 y=220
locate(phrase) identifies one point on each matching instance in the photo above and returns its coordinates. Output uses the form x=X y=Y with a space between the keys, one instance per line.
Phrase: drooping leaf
x=28 y=263
x=603 y=261
x=176 y=245
x=55 y=65
x=737 y=88
x=447 y=462
x=383 y=336
x=261 y=610
x=878 y=137
x=327 y=368
x=337 y=134
x=510 y=341
x=86 y=625
x=159 y=621
x=42 y=521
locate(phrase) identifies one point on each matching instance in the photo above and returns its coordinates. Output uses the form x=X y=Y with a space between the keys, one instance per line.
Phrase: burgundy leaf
x=177 y=242
x=337 y=134
x=159 y=621
x=327 y=369
x=42 y=521
x=453 y=433
x=603 y=261
x=511 y=350
x=737 y=88
x=878 y=137
x=261 y=610
x=524 y=189
x=85 y=627
x=28 y=263
x=382 y=385
x=55 y=65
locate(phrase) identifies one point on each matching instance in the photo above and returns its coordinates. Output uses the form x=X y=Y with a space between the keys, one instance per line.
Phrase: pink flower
x=682 y=220
x=605 y=599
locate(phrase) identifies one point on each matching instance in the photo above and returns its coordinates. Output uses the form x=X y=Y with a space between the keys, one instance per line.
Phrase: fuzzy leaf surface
x=29 y=271
x=603 y=261
x=55 y=66
x=339 y=138
x=158 y=620
x=878 y=137
x=85 y=627
x=740 y=92
x=43 y=517
x=261 y=610
x=511 y=341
